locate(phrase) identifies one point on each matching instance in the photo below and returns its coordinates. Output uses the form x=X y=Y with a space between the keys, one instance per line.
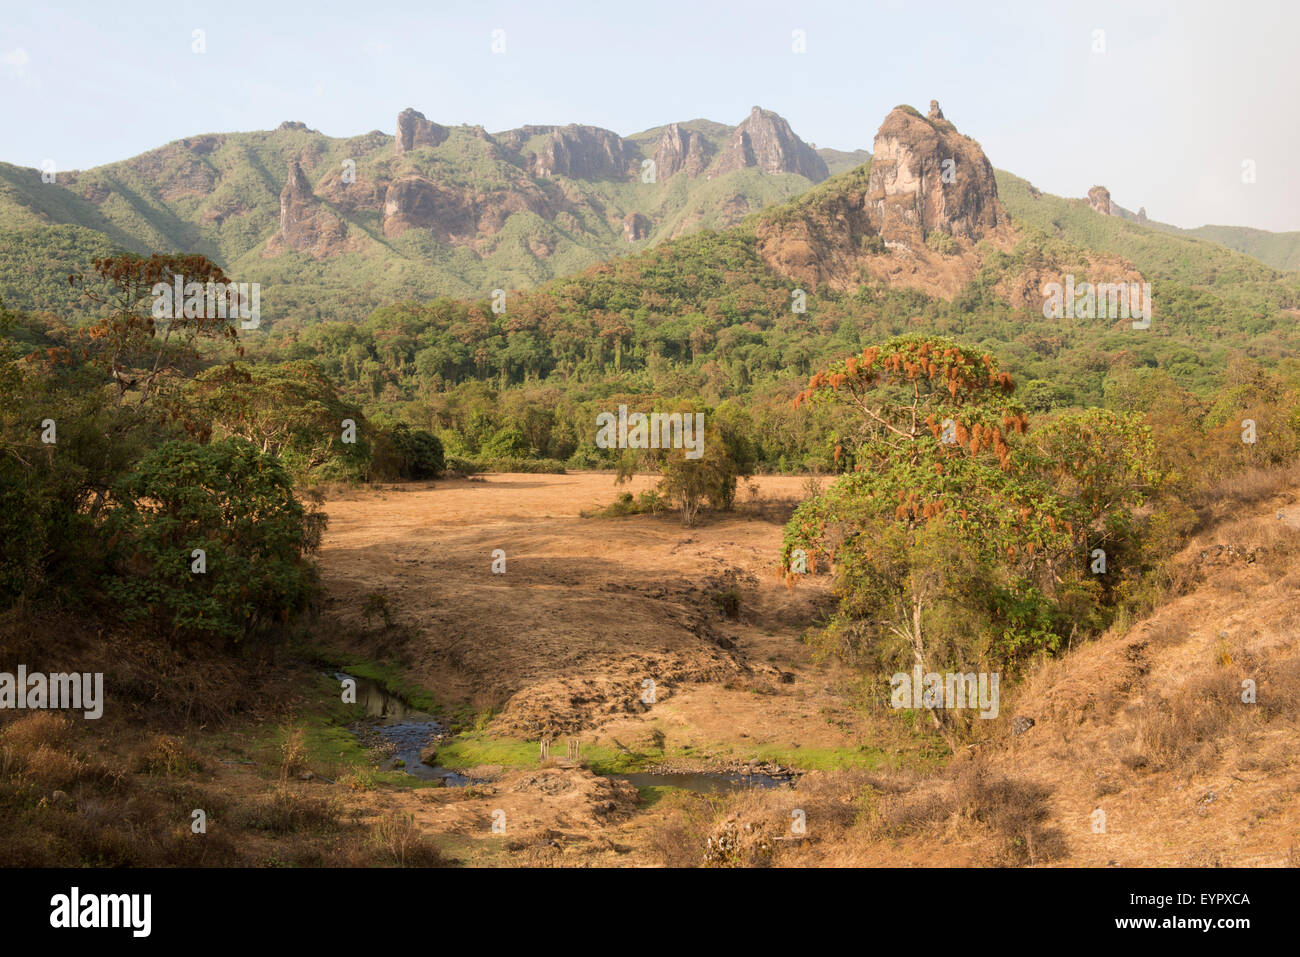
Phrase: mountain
x=333 y=228
x=1279 y=250
x=929 y=237
x=326 y=223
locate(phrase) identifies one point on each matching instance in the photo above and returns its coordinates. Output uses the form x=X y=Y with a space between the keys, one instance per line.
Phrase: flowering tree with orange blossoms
x=952 y=547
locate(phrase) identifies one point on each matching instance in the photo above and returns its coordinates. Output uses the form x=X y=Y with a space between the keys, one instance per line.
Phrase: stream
x=393 y=720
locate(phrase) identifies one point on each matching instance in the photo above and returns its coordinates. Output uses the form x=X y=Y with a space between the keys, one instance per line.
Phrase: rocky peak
x=306 y=225
x=413 y=131
x=1099 y=199
x=296 y=189
x=925 y=176
x=765 y=140
x=1142 y=214
x=681 y=150
x=935 y=113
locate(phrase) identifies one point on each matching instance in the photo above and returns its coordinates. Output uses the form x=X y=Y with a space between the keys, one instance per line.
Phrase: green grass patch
x=389 y=676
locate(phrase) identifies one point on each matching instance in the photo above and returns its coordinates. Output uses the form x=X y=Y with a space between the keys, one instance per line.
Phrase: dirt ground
x=588 y=609
x=1136 y=724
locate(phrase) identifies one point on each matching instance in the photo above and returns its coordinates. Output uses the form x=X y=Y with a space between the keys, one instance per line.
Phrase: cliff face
x=681 y=151
x=413 y=131
x=765 y=140
x=579 y=152
x=925 y=176
x=306 y=224
x=635 y=227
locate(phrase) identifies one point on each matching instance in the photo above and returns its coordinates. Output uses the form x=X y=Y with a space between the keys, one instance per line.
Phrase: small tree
x=233 y=505
x=956 y=539
x=688 y=483
x=291 y=410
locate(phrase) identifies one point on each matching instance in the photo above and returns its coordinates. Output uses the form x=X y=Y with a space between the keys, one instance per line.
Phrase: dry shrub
x=287 y=812
x=1278 y=690
x=679 y=840
x=1184 y=731
x=396 y=839
x=33 y=730
x=900 y=814
x=293 y=754
x=165 y=754
x=52 y=769
x=739 y=843
x=1248 y=487
x=1014 y=811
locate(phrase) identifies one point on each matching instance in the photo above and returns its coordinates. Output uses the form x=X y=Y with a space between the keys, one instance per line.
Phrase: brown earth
x=1145 y=724
x=587 y=610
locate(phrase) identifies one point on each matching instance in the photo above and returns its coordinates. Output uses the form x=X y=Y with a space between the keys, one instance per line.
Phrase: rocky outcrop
x=925 y=176
x=414 y=131
x=1099 y=200
x=584 y=152
x=635 y=227
x=579 y=152
x=1142 y=215
x=765 y=141
x=413 y=202
x=306 y=224
x=681 y=151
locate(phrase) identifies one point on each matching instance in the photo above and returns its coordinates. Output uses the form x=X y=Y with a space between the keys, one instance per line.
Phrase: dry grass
x=166 y=754
x=398 y=840
x=1185 y=731
x=293 y=754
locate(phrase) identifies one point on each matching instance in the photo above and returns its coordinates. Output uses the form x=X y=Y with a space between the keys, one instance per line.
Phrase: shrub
x=406 y=453
x=237 y=505
x=941 y=243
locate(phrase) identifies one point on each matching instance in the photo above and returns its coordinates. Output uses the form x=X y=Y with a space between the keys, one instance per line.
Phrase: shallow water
x=407 y=727
x=411 y=730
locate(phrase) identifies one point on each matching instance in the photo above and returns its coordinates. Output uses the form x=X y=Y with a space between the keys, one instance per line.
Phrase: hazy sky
x=1181 y=94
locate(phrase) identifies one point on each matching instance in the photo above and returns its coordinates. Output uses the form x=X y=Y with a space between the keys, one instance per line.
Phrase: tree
x=208 y=541
x=941 y=551
x=142 y=354
x=707 y=473
x=290 y=410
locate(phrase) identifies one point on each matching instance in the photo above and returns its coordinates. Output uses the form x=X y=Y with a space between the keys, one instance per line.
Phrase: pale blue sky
x=1165 y=116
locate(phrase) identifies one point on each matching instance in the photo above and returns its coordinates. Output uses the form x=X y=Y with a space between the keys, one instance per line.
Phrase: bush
x=237 y=505
x=941 y=243
x=421 y=451
x=406 y=453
